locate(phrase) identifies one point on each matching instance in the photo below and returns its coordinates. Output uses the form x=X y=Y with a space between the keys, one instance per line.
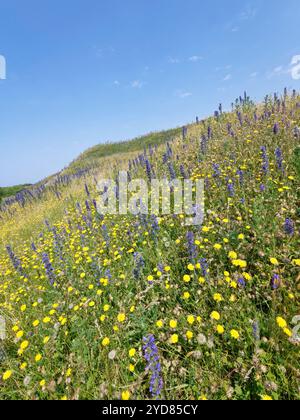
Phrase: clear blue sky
x=81 y=72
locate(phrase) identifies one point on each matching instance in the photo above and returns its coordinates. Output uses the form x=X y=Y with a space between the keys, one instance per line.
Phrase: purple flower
x=15 y=260
x=265 y=166
x=49 y=269
x=276 y=129
x=191 y=245
x=289 y=227
x=151 y=356
x=275 y=282
x=279 y=159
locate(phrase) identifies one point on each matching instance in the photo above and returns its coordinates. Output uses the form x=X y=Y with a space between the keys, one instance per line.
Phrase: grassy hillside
x=119 y=307
x=10 y=191
x=91 y=157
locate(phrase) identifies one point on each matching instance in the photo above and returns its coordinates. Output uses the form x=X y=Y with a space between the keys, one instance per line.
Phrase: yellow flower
x=235 y=334
x=106 y=308
x=189 y=335
x=202 y=398
x=105 y=341
x=191 y=267
x=46 y=320
x=186 y=278
x=288 y=332
x=7 y=375
x=36 y=323
x=125 y=395
x=46 y=340
x=23 y=366
x=121 y=317
x=232 y=255
x=191 y=319
x=220 y=329
x=132 y=352
x=241 y=237
x=174 y=339
x=38 y=357
x=131 y=368
x=24 y=345
x=297 y=262
x=23 y=308
x=218 y=297
x=69 y=373
x=82 y=275
x=150 y=278
x=215 y=315
x=281 y=322
x=159 y=323
x=217 y=247
x=274 y=261
x=266 y=398
x=173 y=323
x=42 y=382
x=167 y=269
x=186 y=295
x=20 y=334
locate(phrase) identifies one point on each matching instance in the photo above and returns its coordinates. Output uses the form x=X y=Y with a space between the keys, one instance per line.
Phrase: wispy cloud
x=183 y=94
x=173 y=60
x=248 y=13
x=227 y=78
x=254 y=74
x=101 y=52
x=137 y=84
x=295 y=70
x=277 y=71
x=195 y=58
x=116 y=83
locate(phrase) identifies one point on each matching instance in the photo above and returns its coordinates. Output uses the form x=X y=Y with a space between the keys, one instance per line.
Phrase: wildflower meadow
x=135 y=307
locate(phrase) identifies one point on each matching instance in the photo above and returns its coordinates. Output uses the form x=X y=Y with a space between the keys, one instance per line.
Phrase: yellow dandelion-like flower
x=266 y=398
x=220 y=329
x=105 y=342
x=132 y=352
x=281 y=322
x=235 y=334
x=24 y=345
x=46 y=340
x=186 y=278
x=215 y=315
x=38 y=357
x=174 y=339
x=46 y=320
x=232 y=255
x=288 y=332
x=125 y=395
x=7 y=375
x=186 y=295
x=189 y=335
x=121 y=317
x=218 y=297
x=173 y=323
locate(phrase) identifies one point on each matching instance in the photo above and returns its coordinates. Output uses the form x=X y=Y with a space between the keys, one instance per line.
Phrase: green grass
x=90 y=158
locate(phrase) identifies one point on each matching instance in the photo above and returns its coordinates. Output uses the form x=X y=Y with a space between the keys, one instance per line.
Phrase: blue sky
x=81 y=72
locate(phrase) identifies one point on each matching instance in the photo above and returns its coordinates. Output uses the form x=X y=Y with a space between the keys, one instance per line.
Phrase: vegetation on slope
x=144 y=307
